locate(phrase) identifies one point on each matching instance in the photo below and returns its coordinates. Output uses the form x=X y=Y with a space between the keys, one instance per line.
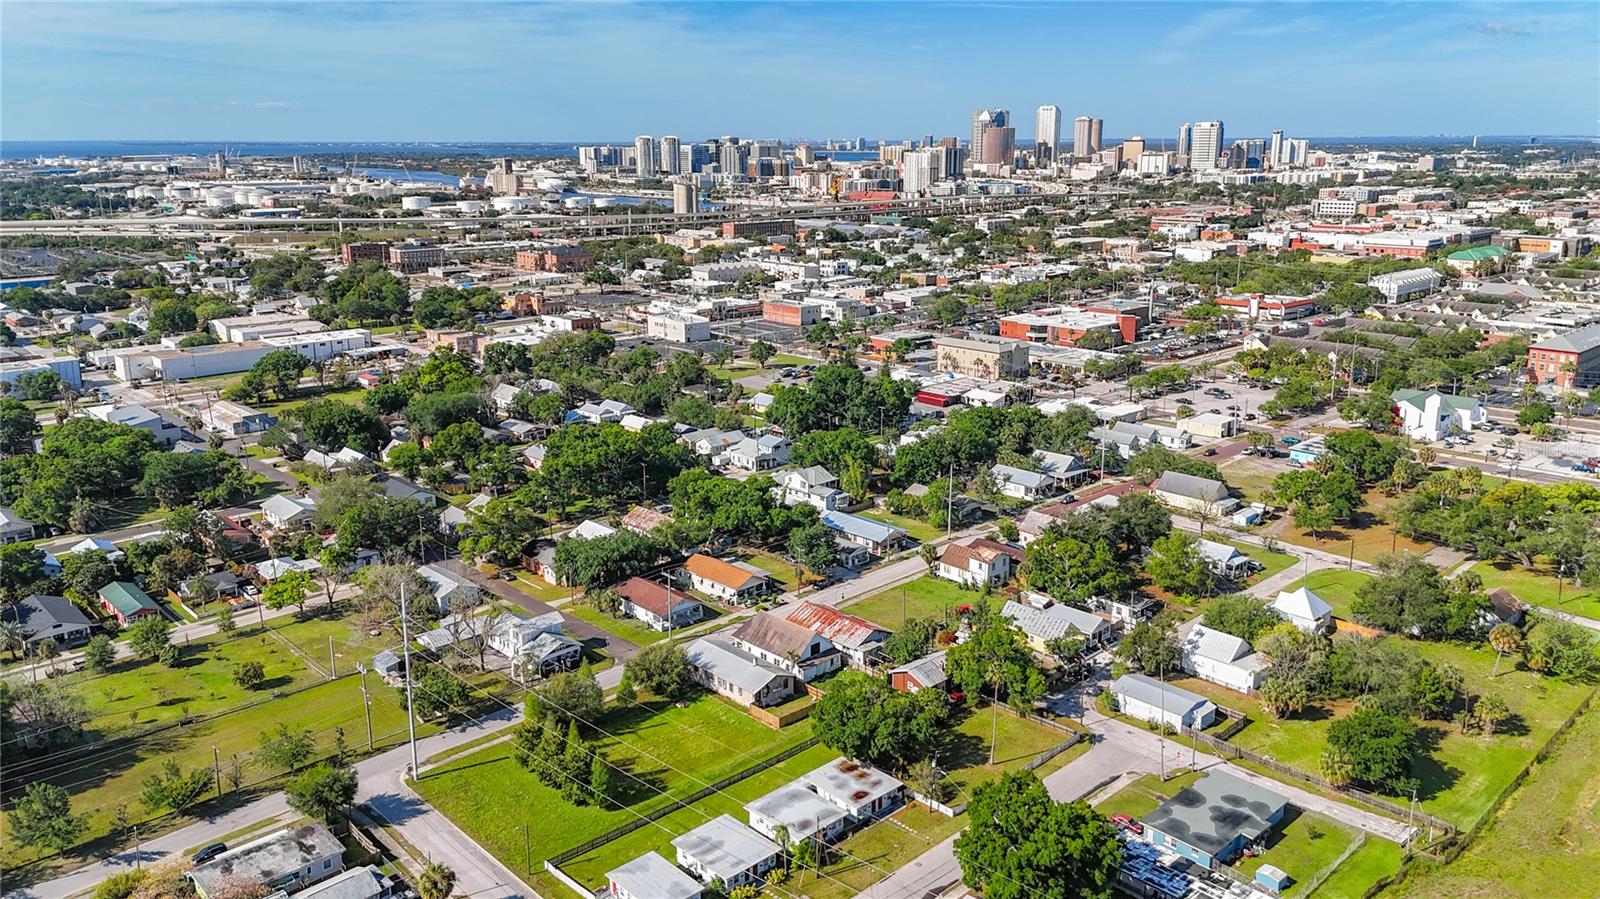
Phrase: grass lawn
x=920 y=531
x=1336 y=585
x=965 y=753
x=1272 y=562
x=1461 y=773
x=629 y=629
x=1303 y=845
x=349 y=395
x=925 y=597
x=138 y=696
x=541 y=589
x=1248 y=477
x=666 y=751
x=1369 y=532
x=1375 y=859
x=1538 y=587
x=1546 y=840
x=782 y=571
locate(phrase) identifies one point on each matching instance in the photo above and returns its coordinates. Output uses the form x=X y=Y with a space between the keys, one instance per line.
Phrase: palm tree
x=1504 y=638
x=11 y=637
x=1336 y=768
x=1426 y=455
x=436 y=882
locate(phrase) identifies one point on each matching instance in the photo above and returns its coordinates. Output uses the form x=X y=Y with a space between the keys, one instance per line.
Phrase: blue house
x=1307 y=452
x=1215 y=819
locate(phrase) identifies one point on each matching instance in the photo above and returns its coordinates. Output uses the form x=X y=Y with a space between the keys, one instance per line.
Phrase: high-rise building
x=999 y=146
x=1275 y=151
x=1185 y=140
x=1047 y=133
x=1081 y=130
x=1132 y=149
x=804 y=155
x=1094 y=135
x=1205 y=145
x=220 y=164
x=767 y=149
x=670 y=164
x=502 y=180
x=919 y=169
x=983 y=120
x=730 y=160
x=685 y=198
x=644 y=156
x=1297 y=152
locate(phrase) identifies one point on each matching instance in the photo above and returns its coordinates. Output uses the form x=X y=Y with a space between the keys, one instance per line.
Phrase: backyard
x=1540 y=586
x=919 y=530
x=1337 y=586
x=136 y=710
x=925 y=597
x=662 y=751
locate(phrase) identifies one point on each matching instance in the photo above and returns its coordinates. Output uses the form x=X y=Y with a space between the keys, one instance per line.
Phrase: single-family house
x=791 y=647
x=364 y=882
x=1305 y=610
x=724 y=850
x=13 y=527
x=860 y=640
x=758 y=453
x=644 y=520
x=1213 y=820
x=712 y=442
x=1039 y=519
x=126 y=602
x=813 y=485
x=288 y=859
x=926 y=673
x=860 y=790
x=658 y=605
x=800 y=812
x=588 y=529
x=450 y=589
x=1306 y=453
x=270 y=570
x=726 y=581
x=1043 y=626
x=282 y=510
x=1158 y=702
x=1226 y=561
x=1505 y=607
x=978 y=562
x=1122 y=443
x=44 y=618
x=875 y=536
x=1434 y=415
x=165 y=432
x=1187 y=492
x=603 y=411
x=1020 y=483
x=400 y=488
x=1065 y=468
x=651 y=876
x=1220 y=658
x=533 y=456
x=720 y=665
x=93 y=545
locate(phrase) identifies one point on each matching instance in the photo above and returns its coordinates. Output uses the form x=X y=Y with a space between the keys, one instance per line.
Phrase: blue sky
x=504 y=71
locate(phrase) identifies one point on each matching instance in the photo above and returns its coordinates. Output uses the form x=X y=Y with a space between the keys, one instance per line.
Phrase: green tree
x=249 y=675
x=292 y=588
x=1021 y=844
x=814 y=546
x=761 y=352
x=864 y=718
x=323 y=791
x=284 y=748
x=1175 y=565
x=174 y=789
x=1379 y=747
x=437 y=881
x=149 y=635
x=438 y=693
x=99 y=653
x=1242 y=616
x=1152 y=646
x=661 y=668
x=995 y=661
x=572 y=696
x=42 y=817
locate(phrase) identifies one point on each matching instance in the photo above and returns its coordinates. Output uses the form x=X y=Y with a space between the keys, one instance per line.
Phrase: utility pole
x=333 y=664
x=1161 y=675
x=950 y=501
x=216 y=768
x=405 y=647
x=366 y=702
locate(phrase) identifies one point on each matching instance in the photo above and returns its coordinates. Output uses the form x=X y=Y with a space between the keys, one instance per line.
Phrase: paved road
x=478 y=874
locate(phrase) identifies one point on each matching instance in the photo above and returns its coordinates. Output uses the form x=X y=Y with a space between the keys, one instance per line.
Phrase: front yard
x=1538 y=586
x=1336 y=585
x=925 y=597
x=630 y=629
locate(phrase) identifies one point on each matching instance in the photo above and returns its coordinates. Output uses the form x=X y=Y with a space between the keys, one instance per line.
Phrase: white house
x=877 y=537
x=802 y=813
x=758 y=453
x=1022 y=483
x=813 y=485
x=1195 y=494
x=1065 y=468
x=1226 y=561
x=719 y=665
x=856 y=788
x=659 y=606
x=724 y=580
x=283 y=510
x=1396 y=286
x=651 y=876
x=723 y=849
x=136 y=416
x=450 y=590
x=1305 y=610
x=603 y=411
x=1433 y=415
x=1220 y=658
x=1148 y=699
x=979 y=562
x=1043 y=626
x=13 y=527
x=795 y=648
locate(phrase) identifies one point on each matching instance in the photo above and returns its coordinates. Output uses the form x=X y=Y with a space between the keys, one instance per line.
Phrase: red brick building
x=352 y=253
x=793 y=313
x=1568 y=361
x=555 y=259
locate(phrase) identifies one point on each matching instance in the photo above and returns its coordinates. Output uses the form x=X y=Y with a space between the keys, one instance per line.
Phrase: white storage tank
x=576 y=202
x=604 y=202
x=470 y=207
x=415 y=203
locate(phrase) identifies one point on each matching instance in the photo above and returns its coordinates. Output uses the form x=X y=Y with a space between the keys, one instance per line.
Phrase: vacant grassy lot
x=665 y=752
x=784 y=573
x=919 y=530
x=1538 y=586
x=925 y=597
x=965 y=753
x=136 y=698
x=1544 y=843
x=541 y=589
x=1337 y=586
x=348 y=395
x=630 y=629
x=1461 y=773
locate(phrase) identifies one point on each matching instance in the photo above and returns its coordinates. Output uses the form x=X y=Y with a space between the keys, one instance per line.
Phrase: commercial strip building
x=1068 y=327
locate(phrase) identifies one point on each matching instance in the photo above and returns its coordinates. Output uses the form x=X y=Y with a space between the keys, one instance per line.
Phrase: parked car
x=1584 y=469
x=1127 y=823
x=1290 y=441
x=1235 y=409
x=210 y=852
x=1210 y=451
x=1184 y=401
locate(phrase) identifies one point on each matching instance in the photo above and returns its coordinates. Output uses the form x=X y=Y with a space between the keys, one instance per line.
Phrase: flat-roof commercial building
x=1567 y=361
x=1068 y=327
x=413 y=258
x=681 y=327
x=555 y=259
x=1269 y=307
x=982 y=357
x=245 y=328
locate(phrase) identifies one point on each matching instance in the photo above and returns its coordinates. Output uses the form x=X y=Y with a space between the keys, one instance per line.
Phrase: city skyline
x=503 y=72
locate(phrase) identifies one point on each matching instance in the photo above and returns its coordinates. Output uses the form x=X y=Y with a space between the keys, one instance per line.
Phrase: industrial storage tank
x=604 y=202
x=470 y=207
x=415 y=203
x=577 y=202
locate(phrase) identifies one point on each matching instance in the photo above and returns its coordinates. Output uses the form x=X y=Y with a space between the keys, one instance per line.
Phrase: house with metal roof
x=813 y=485
x=1044 y=625
x=1435 y=415
x=859 y=639
x=1305 y=610
x=651 y=876
x=1220 y=658
x=282 y=510
x=1158 y=702
x=787 y=645
x=1065 y=468
x=926 y=673
x=126 y=602
x=1213 y=820
x=13 y=527
x=1021 y=483
x=857 y=788
x=725 y=668
x=1191 y=493
x=727 y=581
x=450 y=589
x=1224 y=560
x=758 y=453
x=723 y=849
x=875 y=536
